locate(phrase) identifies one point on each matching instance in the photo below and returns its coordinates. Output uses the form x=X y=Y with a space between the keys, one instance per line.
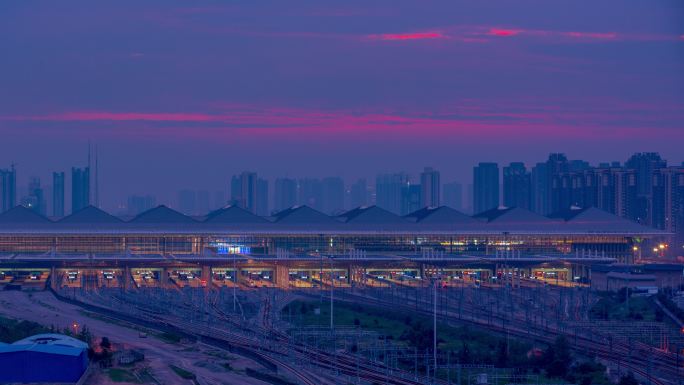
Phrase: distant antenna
x=97 y=175
x=89 y=170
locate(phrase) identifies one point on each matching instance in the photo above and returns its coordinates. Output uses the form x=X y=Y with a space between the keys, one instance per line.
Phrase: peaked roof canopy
x=24 y=215
x=303 y=215
x=441 y=214
x=90 y=214
x=233 y=214
x=370 y=214
x=162 y=214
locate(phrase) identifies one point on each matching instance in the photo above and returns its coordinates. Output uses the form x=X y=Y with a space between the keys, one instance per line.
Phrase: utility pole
x=434 y=325
x=332 y=287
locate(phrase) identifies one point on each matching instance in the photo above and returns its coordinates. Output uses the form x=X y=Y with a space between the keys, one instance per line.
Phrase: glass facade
x=316 y=244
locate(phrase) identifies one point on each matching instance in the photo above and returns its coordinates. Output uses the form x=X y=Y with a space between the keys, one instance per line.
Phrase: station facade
x=296 y=241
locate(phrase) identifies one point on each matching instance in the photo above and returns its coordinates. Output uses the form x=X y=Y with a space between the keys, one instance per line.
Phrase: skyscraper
x=262 y=197
x=187 y=202
x=540 y=186
x=311 y=193
x=285 y=193
x=517 y=185
x=58 y=194
x=138 y=204
x=35 y=199
x=358 y=194
x=80 y=188
x=388 y=190
x=452 y=195
x=411 y=198
x=645 y=165
x=333 y=195
x=430 y=188
x=485 y=187
x=8 y=189
x=203 y=202
x=244 y=191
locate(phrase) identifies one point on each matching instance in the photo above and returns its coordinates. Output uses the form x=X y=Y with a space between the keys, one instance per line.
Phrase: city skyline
x=360 y=89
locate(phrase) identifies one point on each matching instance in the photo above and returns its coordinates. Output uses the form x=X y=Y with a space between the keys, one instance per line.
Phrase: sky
x=180 y=94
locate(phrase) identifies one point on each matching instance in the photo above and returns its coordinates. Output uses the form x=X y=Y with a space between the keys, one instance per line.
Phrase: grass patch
x=182 y=373
x=170 y=338
x=615 y=307
x=122 y=375
x=13 y=330
x=470 y=344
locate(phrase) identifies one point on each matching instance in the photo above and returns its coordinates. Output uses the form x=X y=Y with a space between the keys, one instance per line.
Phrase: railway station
x=301 y=247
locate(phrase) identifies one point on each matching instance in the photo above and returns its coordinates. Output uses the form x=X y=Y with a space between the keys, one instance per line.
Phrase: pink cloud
x=507 y=120
x=504 y=32
x=408 y=36
x=591 y=35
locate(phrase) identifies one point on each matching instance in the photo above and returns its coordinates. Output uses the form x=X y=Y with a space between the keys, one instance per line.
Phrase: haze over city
x=398 y=192
x=193 y=94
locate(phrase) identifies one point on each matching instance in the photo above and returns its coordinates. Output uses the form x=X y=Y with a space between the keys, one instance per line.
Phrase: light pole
x=434 y=324
x=235 y=280
x=332 y=287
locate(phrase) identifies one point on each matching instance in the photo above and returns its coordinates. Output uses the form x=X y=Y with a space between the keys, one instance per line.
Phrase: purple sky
x=184 y=94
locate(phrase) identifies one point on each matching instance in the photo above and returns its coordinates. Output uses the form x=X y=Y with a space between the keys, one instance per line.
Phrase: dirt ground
x=210 y=365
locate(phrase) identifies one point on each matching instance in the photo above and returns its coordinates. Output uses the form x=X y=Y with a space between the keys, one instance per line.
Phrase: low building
x=43 y=358
x=617 y=276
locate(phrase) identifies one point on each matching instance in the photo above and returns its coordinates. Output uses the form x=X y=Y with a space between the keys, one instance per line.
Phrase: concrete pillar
x=127 y=278
x=282 y=276
x=164 y=280
x=206 y=275
x=53 y=278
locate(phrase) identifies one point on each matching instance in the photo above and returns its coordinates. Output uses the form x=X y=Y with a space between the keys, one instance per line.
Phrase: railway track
x=618 y=353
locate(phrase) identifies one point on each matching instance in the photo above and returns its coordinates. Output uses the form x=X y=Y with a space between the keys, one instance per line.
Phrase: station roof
x=598 y=220
x=519 y=220
x=304 y=219
x=303 y=215
x=47 y=343
x=90 y=215
x=442 y=216
x=233 y=214
x=373 y=218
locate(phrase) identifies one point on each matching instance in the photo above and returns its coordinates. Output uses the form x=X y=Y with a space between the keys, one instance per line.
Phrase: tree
x=628 y=380
x=464 y=354
x=105 y=344
x=558 y=358
x=502 y=354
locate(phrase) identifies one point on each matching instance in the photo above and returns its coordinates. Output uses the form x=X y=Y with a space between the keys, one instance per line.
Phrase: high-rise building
x=35 y=200
x=411 y=198
x=140 y=203
x=244 y=191
x=430 y=188
x=187 y=202
x=517 y=186
x=311 y=193
x=262 y=197
x=486 y=187
x=645 y=164
x=540 y=189
x=668 y=201
x=285 y=193
x=452 y=195
x=388 y=191
x=358 y=194
x=80 y=188
x=333 y=195
x=58 y=194
x=203 y=202
x=219 y=199
x=8 y=188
